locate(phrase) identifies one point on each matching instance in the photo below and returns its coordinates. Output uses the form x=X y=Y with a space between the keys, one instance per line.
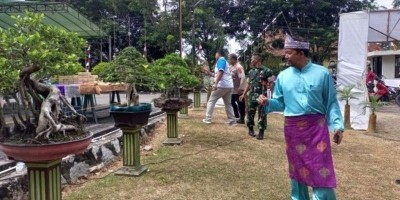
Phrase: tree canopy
x=156 y=23
x=30 y=52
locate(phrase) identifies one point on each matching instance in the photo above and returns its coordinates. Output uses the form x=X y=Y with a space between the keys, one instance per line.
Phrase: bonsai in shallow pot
x=171 y=76
x=42 y=132
x=130 y=67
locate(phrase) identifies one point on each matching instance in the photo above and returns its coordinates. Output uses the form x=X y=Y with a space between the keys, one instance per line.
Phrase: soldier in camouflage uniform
x=258 y=83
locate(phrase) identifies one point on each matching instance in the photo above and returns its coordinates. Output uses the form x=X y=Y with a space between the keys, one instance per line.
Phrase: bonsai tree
x=31 y=52
x=130 y=67
x=172 y=73
x=105 y=71
x=373 y=104
x=345 y=95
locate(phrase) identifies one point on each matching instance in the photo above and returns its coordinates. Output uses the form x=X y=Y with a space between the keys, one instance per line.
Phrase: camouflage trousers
x=251 y=113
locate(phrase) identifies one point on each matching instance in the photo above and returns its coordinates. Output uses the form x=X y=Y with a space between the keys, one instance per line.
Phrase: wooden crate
x=89 y=89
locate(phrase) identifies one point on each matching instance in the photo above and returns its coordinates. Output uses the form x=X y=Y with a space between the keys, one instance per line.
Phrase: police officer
x=258 y=82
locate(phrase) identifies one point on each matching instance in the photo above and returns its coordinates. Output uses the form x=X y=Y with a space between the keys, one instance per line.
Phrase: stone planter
x=44 y=164
x=172 y=106
x=130 y=120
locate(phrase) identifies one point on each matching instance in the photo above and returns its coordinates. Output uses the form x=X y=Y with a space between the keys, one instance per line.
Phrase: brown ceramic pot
x=45 y=152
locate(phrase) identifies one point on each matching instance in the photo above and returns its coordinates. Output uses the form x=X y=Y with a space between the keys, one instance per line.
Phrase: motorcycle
x=386 y=93
x=393 y=94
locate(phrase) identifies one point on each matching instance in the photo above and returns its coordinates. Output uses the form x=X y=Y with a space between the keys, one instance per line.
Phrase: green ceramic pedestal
x=172 y=128
x=197 y=101
x=44 y=180
x=184 y=113
x=131 y=153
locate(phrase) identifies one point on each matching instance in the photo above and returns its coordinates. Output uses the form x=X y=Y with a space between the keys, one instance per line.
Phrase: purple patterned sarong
x=308 y=150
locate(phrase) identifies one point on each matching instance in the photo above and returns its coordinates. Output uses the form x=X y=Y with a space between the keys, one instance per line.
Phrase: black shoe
x=260 y=135
x=398 y=181
x=240 y=121
x=251 y=132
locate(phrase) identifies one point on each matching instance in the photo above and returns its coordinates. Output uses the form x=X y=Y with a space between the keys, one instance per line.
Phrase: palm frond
x=346 y=93
x=373 y=104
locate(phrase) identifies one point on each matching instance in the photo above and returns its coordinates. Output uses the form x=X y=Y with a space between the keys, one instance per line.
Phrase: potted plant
x=345 y=95
x=41 y=133
x=171 y=75
x=373 y=104
x=174 y=59
x=130 y=67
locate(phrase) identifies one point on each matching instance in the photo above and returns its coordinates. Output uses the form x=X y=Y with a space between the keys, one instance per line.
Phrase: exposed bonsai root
x=51 y=116
x=18 y=107
x=132 y=96
x=58 y=128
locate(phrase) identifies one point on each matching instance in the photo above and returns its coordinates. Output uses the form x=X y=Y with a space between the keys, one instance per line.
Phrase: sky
x=386 y=3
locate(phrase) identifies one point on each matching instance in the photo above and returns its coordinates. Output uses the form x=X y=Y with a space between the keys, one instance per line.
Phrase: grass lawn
x=217 y=161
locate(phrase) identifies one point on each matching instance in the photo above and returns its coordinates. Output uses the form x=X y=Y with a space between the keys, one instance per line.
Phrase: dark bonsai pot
x=131 y=116
x=171 y=103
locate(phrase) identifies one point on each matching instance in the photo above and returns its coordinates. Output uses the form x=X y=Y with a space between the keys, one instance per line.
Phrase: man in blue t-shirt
x=222 y=88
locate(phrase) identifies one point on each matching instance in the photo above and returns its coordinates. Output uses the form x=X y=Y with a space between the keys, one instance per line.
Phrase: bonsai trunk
x=50 y=118
x=372 y=123
x=347 y=116
x=132 y=96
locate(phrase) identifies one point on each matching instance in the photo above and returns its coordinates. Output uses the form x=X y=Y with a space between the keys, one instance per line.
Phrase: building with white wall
x=386 y=63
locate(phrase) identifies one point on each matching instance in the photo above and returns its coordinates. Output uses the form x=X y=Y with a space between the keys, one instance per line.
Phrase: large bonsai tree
x=131 y=67
x=172 y=73
x=31 y=52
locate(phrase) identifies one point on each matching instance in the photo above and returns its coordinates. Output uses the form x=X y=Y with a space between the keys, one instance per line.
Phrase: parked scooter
x=387 y=93
x=383 y=92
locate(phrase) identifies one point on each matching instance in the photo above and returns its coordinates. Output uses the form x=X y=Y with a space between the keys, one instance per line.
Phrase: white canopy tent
x=356 y=29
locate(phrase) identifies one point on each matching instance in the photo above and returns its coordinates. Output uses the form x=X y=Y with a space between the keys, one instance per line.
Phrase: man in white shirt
x=222 y=88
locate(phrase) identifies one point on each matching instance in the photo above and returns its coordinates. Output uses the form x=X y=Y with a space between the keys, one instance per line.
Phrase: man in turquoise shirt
x=306 y=95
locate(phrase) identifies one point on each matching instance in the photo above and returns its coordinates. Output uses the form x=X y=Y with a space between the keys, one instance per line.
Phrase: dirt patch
x=388 y=122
